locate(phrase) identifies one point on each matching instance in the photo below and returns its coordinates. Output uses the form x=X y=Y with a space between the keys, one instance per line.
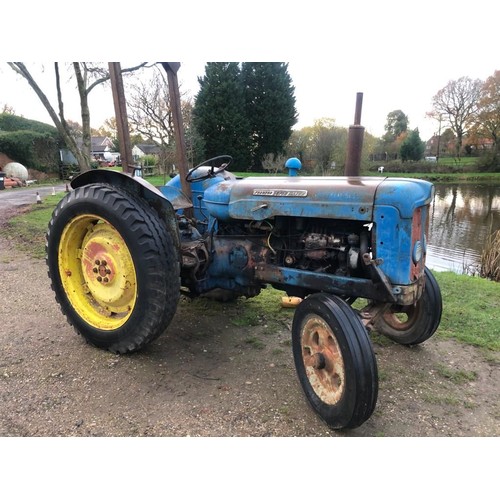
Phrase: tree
x=219 y=113
x=270 y=106
x=150 y=115
x=328 y=144
x=397 y=123
x=412 y=148
x=456 y=104
x=7 y=109
x=488 y=115
x=299 y=145
x=87 y=76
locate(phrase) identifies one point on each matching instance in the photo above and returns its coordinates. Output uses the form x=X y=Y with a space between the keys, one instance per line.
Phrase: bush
x=490 y=162
x=32 y=143
x=490 y=258
x=13 y=123
x=32 y=149
x=148 y=160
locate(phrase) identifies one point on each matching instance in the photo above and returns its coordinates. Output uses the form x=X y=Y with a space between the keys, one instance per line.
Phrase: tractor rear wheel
x=334 y=360
x=113 y=267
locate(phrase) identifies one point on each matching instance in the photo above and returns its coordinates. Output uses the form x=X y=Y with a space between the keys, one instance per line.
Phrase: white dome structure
x=14 y=169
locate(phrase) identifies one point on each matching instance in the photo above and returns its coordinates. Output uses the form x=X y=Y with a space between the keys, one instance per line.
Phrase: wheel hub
x=105 y=266
x=97 y=271
x=323 y=360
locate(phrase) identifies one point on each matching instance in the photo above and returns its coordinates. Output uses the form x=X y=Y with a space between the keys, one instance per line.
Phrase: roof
x=98 y=144
x=149 y=148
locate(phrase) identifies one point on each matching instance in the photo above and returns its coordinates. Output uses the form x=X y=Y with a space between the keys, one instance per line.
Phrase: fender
x=139 y=187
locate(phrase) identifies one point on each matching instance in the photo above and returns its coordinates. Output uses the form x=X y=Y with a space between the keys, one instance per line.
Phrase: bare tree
x=150 y=112
x=150 y=115
x=457 y=103
x=88 y=76
x=7 y=109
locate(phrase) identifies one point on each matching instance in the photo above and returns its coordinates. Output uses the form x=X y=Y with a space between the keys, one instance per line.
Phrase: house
x=100 y=147
x=140 y=150
x=101 y=150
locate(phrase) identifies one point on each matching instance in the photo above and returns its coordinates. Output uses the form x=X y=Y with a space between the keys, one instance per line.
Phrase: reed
x=490 y=257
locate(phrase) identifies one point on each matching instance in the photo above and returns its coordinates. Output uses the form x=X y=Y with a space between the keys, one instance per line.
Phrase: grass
x=471 y=310
x=456 y=376
x=29 y=228
x=265 y=309
x=471 y=305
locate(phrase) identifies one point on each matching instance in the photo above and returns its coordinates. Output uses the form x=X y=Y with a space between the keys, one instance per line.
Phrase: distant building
x=140 y=150
x=101 y=149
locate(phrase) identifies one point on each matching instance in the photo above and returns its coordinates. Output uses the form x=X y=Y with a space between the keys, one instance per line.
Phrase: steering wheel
x=226 y=160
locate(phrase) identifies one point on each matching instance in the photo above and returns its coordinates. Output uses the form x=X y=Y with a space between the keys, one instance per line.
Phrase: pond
x=462 y=218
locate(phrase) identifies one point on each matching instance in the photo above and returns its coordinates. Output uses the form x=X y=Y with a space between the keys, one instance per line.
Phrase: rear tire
x=334 y=360
x=411 y=325
x=113 y=267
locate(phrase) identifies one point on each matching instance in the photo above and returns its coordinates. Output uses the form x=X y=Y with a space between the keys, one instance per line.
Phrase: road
x=17 y=197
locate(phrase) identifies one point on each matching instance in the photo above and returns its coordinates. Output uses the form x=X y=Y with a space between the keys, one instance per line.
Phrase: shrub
x=32 y=149
x=490 y=162
x=490 y=258
x=32 y=143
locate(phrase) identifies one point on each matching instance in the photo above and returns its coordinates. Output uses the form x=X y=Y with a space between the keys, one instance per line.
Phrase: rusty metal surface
x=323 y=197
x=329 y=283
x=417 y=269
x=323 y=360
x=355 y=141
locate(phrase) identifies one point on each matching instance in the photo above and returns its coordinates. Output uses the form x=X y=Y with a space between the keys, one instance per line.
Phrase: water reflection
x=462 y=218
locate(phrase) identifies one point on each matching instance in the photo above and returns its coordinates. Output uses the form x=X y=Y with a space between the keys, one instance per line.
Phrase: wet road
x=17 y=197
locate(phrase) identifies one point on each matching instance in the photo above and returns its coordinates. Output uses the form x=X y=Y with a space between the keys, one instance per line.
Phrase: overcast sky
x=397 y=59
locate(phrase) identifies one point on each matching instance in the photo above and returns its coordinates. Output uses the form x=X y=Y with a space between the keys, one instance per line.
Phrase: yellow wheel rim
x=97 y=272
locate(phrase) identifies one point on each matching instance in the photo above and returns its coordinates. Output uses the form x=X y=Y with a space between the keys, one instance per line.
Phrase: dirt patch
x=208 y=377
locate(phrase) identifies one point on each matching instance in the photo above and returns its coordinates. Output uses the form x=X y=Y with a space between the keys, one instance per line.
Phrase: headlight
x=417 y=252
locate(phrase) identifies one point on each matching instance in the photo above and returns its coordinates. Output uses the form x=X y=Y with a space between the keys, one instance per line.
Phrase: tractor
x=120 y=252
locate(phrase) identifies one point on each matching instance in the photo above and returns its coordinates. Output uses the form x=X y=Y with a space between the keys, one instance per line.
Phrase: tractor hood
x=258 y=198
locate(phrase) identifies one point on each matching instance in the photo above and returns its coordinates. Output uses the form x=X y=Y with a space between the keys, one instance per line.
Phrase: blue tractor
x=120 y=252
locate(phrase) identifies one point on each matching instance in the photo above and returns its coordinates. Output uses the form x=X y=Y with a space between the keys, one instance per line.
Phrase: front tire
x=334 y=360
x=113 y=267
x=413 y=324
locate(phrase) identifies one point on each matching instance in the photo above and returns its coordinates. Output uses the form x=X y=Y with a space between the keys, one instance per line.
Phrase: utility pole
x=115 y=74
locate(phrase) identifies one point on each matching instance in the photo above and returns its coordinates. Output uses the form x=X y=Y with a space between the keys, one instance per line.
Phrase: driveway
x=17 y=197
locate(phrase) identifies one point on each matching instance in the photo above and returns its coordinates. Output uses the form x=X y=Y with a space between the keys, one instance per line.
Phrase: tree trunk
x=84 y=104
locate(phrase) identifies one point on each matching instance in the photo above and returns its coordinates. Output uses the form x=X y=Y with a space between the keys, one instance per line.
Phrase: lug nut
x=99 y=278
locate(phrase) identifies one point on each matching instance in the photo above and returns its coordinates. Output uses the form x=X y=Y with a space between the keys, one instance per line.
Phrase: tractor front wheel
x=413 y=324
x=334 y=360
x=113 y=267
